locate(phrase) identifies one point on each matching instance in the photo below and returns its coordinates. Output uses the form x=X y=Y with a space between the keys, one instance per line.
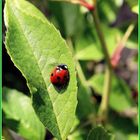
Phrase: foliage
x=69 y=35
x=44 y=55
x=119 y=92
x=20 y=116
x=99 y=133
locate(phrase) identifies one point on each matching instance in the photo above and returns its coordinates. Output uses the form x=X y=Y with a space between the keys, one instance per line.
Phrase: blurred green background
x=76 y=26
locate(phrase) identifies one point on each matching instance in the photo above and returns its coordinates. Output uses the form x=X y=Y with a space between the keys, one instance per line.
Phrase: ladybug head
x=63 y=66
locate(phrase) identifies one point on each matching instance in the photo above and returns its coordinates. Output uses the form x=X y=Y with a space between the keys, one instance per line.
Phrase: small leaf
x=123 y=136
x=85 y=105
x=120 y=92
x=135 y=9
x=107 y=10
x=77 y=135
x=36 y=47
x=132 y=44
x=90 y=53
x=19 y=115
x=99 y=133
x=133 y=137
x=96 y=82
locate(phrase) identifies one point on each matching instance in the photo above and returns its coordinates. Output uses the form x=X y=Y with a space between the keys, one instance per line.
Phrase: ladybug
x=60 y=76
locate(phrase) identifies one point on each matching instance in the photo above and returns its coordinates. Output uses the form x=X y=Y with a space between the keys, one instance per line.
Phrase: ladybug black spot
x=58 y=78
x=65 y=77
x=52 y=74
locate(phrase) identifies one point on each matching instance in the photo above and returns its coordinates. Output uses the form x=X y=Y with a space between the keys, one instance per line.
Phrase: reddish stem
x=90 y=7
x=117 y=55
x=118 y=52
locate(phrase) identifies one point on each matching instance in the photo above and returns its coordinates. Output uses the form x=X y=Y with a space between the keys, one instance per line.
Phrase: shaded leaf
x=85 y=105
x=120 y=92
x=36 y=47
x=132 y=2
x=108 y=10
x=99 y=133
x=19 y=115
x=122 y=124
x=67 y=15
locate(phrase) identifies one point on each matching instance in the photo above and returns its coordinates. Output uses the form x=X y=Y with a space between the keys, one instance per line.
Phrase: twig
x=78 y=66
x=103 y=110
x=84 y=3
x=117 y=54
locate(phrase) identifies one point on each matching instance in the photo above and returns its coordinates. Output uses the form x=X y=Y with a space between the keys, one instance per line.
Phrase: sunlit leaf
x=36 y=47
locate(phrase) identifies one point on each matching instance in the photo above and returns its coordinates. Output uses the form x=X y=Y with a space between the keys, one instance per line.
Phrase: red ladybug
x=60 y=76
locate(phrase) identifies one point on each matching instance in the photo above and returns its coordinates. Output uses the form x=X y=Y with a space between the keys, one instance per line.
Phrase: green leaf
x=85 y=105
x=121 y=124
x=120 y=92
x=96 y=82
x=132 y=2
x=78 y=135
x=112 y=37
x=67 y=15
x=36 y=47
x=83 y=41
x=135 y=9
x=132 y=137
x=90 y=53
x=3 y=138
x=99 y=133
x=88 y=46
x=19 y=115
x=122 y=136
x=131 y=44
x=108 y=10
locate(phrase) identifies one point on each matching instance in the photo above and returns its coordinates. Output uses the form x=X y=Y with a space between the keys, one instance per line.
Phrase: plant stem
x=103 y=110
x=101 y=37
x=78 y=66
x=117 y=53
x=81 y=74
x=127 y=33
